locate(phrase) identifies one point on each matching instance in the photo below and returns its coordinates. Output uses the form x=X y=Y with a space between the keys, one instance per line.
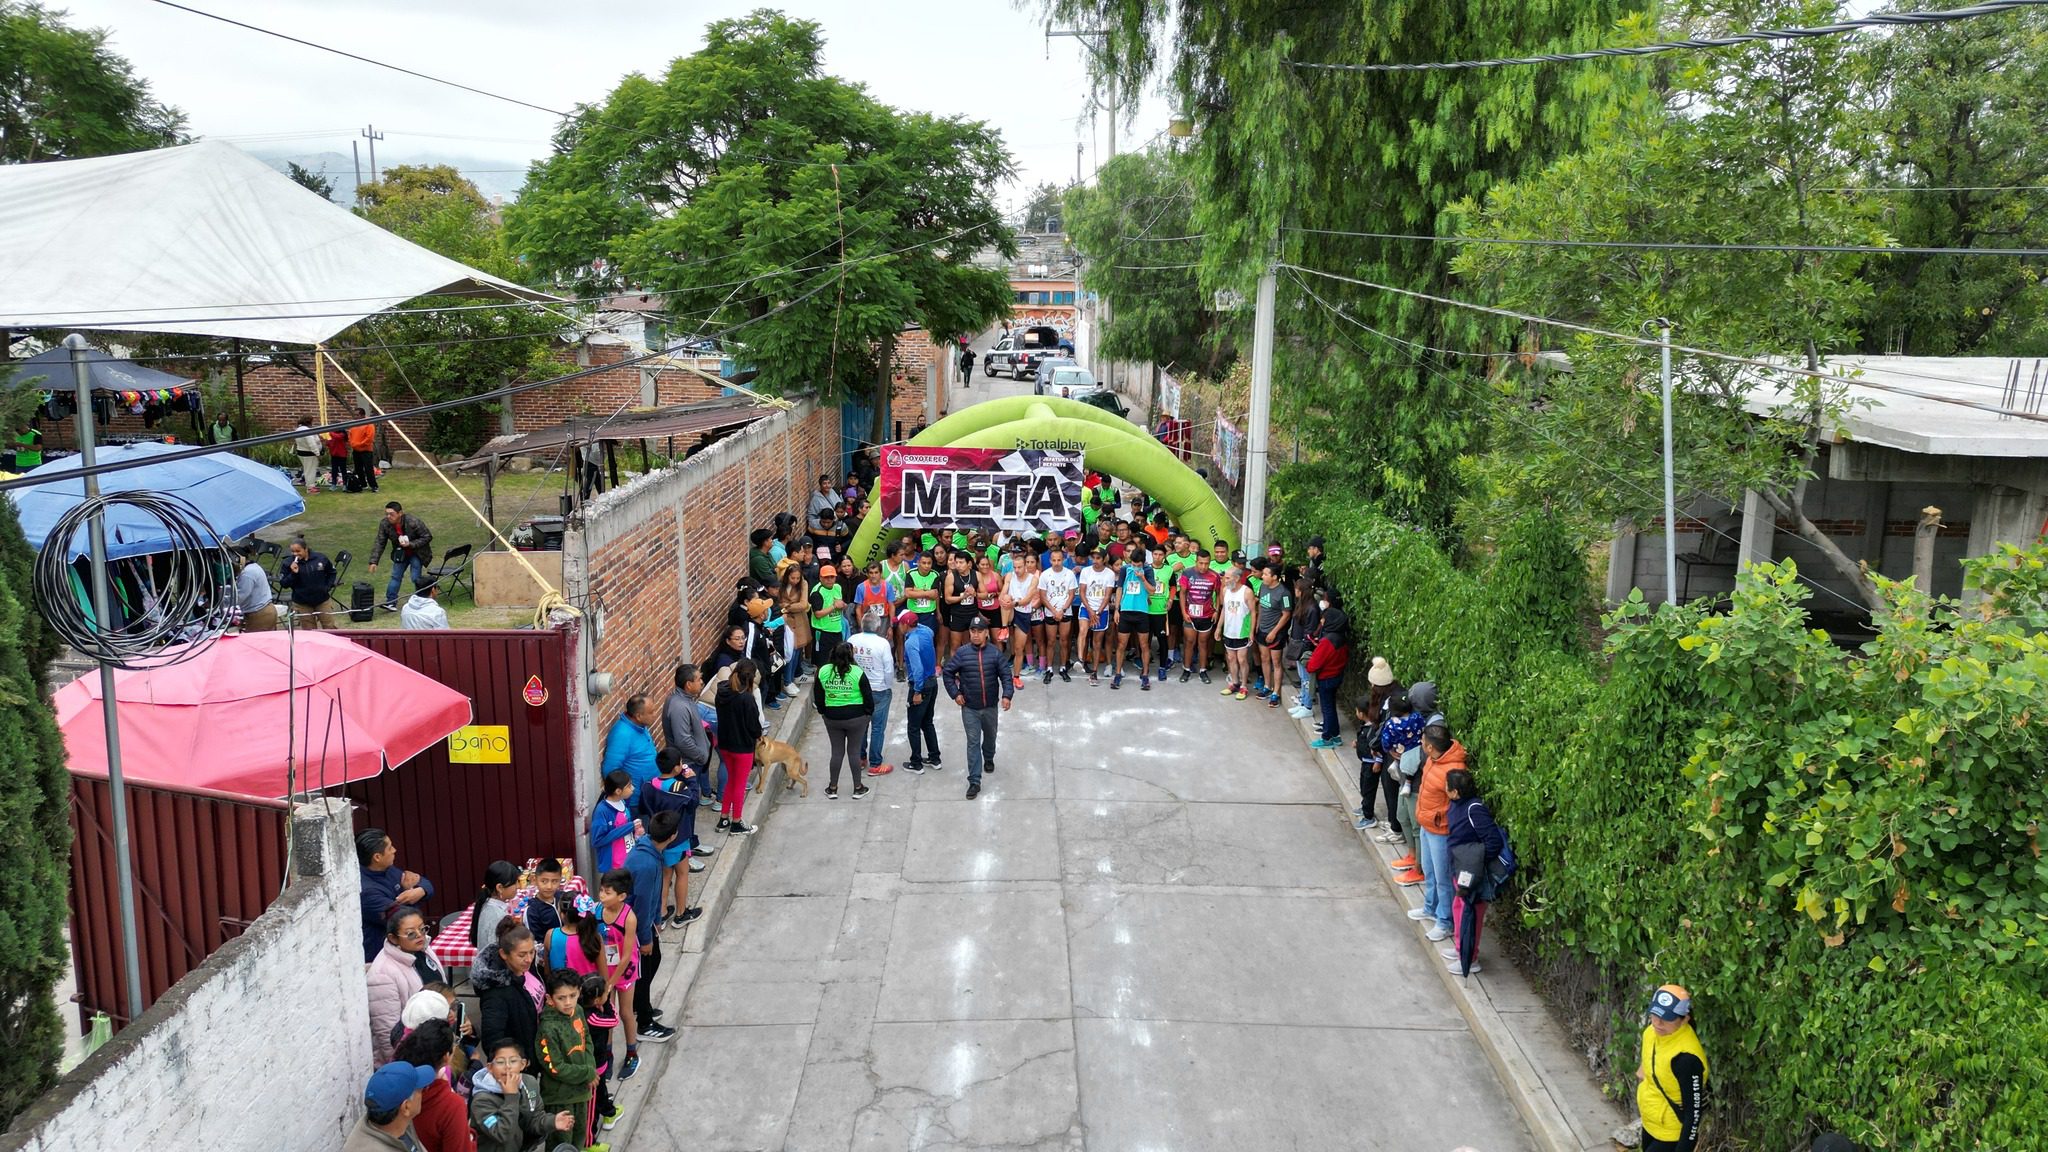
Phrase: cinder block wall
x=264 y=1046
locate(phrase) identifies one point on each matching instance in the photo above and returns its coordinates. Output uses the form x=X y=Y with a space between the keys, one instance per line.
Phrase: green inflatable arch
x=1110 y=444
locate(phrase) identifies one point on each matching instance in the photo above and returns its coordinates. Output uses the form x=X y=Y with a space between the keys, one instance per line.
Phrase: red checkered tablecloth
x=452 y=944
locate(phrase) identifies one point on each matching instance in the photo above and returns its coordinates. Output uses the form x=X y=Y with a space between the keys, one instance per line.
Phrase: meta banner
x=993 y=489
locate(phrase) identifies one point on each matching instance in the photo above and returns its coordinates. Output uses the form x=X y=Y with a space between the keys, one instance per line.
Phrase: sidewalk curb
x=683 y=948
x=1533 y=1100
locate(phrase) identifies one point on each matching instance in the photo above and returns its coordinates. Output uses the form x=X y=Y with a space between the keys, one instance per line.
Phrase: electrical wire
x=184 y=608
x=1706 y=353
x=1675 y=246
x=1874 y=20
x=1615 y=474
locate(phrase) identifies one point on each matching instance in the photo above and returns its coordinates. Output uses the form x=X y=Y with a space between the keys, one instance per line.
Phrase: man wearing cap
x=978 y=679
x=921 y=666
x=1671 y=1080
x=828 y=614
x=390 y=1101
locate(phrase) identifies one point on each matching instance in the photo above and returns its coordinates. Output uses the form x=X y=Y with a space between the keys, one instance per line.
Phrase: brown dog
x=769 y=753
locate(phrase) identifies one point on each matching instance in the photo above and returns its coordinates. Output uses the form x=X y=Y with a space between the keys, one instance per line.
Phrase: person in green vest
x=28 y=447
x=1163 y=572
x=1671 y=1080
x=845 y=700
x=222 y=431
x=828 y=614
x=921 y=592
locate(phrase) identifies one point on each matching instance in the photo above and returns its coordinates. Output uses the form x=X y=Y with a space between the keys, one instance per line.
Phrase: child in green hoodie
x=567 y=1064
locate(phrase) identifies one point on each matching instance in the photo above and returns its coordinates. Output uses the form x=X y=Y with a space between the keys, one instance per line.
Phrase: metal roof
x=632 y=424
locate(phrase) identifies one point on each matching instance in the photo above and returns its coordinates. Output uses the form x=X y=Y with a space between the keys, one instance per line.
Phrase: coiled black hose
x=171 y=609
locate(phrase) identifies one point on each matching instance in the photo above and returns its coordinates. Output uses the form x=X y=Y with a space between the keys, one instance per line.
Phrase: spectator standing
x=844 y=697
x=509 y=993
x=362 y=448
x=825 y=499
x=252 y=594
x=336 y=442
x=1327 y=663
x=673 y=791
x=567 y=1065
x=442 y=1124
x=305 y=446
x=493 y=900
x=222 y=430
x=1442 y=755
x=1303 y=630
x=390 y=1101
x=391 y=977
x=412 y=546
x=921 y=674
x=423 y=609
x=629 y=745
x=978 y=679
x=504 y=1104
x=871 y=652
x=308 y=578
x=793 y=597
x=644 y=864
x=828 y=614
x=1476 y=841
x=28 y=447
x=760 y=560
x=385 y=886
x=1671 y=1078
x=739 y=731
x=686 y=732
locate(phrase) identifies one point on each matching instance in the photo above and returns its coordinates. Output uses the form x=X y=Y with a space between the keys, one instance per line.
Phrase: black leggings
x=842 y=732
x=1386 y=782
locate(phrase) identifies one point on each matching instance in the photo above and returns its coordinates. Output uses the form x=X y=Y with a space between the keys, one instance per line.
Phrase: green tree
x=747 y=186
x=465 y=350
x=315 y=182
x=1124 y=225
x=1043 y=211
x=35 y=838
x=1279 y=146
x=1738 y=146
x=1953 y=122
x=64 y=95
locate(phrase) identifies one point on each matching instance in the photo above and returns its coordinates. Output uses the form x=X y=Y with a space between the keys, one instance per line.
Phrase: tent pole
x=241 y=392
x=117 y=786
x=320 y=378
x=490 y=508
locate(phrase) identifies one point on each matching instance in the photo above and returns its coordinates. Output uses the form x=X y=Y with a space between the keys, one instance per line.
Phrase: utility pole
x=356 y=150
x=1261 y=408
x=372 y=135
x=1670 y=495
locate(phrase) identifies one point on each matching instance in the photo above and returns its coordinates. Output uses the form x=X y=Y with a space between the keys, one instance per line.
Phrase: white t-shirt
x=872 y=653
x=1058 y=584
x=1019 y=586
x=1237 y=612
x=1098 y=587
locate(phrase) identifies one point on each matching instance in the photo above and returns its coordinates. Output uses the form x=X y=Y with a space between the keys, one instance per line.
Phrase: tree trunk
x=885 y=391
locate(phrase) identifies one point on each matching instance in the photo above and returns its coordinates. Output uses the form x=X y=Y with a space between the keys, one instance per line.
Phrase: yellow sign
x=481 y=744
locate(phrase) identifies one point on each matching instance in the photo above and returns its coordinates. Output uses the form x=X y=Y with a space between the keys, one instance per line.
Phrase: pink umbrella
x=220 y=720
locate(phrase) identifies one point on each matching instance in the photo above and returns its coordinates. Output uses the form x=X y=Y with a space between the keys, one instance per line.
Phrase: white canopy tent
x=205 y=240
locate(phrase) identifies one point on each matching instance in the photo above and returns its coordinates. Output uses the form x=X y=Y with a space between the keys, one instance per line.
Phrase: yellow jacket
x=1671 y=1087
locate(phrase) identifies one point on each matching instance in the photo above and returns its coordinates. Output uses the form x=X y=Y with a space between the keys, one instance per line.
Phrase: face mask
x=1323 y=604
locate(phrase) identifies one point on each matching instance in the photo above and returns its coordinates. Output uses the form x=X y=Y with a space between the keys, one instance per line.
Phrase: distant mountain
x=501 y=178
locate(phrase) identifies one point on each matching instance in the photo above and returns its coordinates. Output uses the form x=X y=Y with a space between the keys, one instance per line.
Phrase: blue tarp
x=236 y=496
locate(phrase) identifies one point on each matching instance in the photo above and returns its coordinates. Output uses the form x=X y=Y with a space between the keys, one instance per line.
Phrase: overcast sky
x=984 y=59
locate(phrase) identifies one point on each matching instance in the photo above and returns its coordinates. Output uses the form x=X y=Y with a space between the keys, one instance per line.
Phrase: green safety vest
x=28 y=451
x=924 y=583
x=829 y=618
x=1163 y=576
x=840 y=692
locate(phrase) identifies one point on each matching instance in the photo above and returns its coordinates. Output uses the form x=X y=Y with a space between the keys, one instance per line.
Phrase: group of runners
x=1127 y=592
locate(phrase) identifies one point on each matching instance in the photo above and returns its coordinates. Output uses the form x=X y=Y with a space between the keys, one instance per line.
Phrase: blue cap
x=392 y=1084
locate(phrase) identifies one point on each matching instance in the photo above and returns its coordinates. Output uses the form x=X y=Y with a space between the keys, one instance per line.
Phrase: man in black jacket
x=977 y=677
x=309 y=577
x=412 y=546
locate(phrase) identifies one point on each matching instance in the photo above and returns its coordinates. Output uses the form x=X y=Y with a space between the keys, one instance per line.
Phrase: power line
x=1874 y=20
x=1533 y=426
x=1678 y=246
x=1745 y=361
x=366 y=60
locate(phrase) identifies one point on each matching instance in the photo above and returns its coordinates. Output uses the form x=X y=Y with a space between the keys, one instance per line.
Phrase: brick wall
x=658 y=556
x=605 y=392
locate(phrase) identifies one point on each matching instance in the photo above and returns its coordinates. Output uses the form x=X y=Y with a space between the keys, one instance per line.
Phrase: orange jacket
x=363 y=438
x=1432 y=803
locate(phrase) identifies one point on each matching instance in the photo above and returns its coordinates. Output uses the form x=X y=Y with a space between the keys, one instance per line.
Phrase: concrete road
x=1153 y=931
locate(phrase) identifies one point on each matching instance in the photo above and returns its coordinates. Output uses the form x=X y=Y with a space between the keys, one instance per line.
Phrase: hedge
x=1837 y=853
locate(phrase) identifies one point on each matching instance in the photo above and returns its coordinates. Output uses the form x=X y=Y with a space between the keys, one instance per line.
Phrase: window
x=1062 y=298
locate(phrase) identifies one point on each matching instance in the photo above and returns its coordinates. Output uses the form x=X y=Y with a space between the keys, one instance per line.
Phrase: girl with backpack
x=1477 y=845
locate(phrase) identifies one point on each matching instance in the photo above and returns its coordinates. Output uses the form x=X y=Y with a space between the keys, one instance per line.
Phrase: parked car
x=1068 y=382
x=1104 y=399
x=1044 y=374
x=1017 y=354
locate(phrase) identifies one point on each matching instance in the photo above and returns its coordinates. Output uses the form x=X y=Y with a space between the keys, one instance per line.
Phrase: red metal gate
x=206 y=864
x=451 y=820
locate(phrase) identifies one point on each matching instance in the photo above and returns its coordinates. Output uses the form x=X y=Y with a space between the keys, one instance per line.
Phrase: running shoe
x=1419 y=914
x=1474 y=970
x=1016 y=681
x=933 y=764
x=1365 y=822
x=631 y=1065
x=973 y=790
x=610 y=1119
x=697 y=866
x=914 y=767
x=1116 y=681
x=704 y=849
x=1064 y=678
x=1092 y=681
x=1299 y=713
x=881 y=770
x=1437 y=932
x=775 y=703
x=1448 y=953
x=739 y=829
x=1408 y=879
x=1404 y=863
x=1048 y=676
x=658 y=1033
x=860 y=791
x=1144 y=685
x=1259 y=686
x=1186 y=674
x=1326 y=744
x=1229 y=689
x=1205 y=676
x=831 y=791
x=1240 y=693
x=689 y=914
x=1272 y=701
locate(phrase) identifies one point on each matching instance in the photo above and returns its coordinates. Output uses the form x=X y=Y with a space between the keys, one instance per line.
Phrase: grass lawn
x=347 y=521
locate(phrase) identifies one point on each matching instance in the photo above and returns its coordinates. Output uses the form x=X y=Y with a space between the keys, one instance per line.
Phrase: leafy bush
x=1839 y=854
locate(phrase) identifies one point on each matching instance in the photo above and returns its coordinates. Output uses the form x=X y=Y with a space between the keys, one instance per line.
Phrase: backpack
x=1501 y=868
